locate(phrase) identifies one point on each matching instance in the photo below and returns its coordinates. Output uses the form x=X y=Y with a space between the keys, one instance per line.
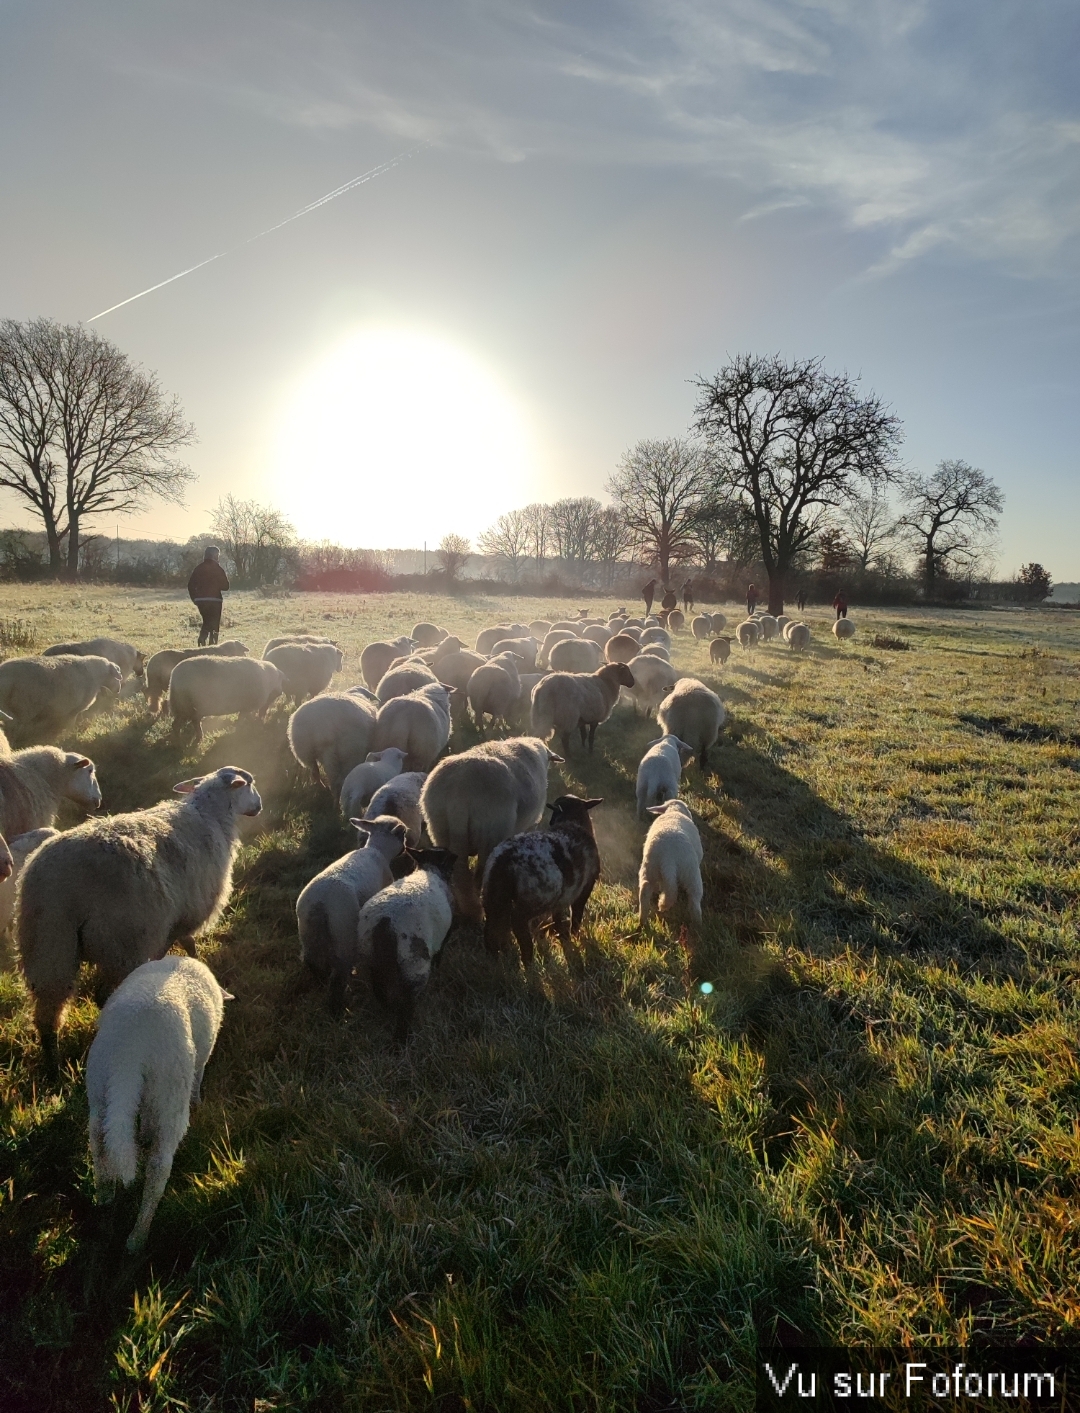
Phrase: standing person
x=840 y=604
x=647 y=594
x=205 y=587
x=801 y=599
x=751 y=600
x=688 y=596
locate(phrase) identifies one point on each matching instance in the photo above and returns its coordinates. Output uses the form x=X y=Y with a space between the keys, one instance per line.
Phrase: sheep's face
x=82 y=784
x=243 y=796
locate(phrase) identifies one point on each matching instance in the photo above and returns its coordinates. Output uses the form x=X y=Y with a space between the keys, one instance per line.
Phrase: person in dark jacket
x=647 y=594
x=840 y=604
x=801 y=599
x=688 y=596
x=205 y=587
x=751 y=600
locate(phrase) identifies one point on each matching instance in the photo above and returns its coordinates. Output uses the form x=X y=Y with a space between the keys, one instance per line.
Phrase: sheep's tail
x=120 y=1154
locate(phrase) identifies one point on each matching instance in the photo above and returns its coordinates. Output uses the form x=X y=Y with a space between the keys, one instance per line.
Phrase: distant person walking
x=800 y=599
x=751 y=600
x=207 y=583
x=840 y=604
x=647 y=594
x=688 y=596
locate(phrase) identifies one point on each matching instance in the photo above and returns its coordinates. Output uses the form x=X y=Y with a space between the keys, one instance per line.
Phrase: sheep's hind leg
x=561 y=920
x=158 y=1168
x=523 y=932
x=577 y=911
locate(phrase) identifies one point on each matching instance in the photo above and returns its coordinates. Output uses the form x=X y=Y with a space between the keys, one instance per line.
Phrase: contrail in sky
x=312 y=206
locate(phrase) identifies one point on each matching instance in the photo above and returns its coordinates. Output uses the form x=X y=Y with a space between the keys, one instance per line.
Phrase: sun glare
x=398 y=437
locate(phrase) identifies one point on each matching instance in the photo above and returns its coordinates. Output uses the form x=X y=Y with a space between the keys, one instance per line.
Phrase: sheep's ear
x=6 y=716
x=556 y=760
x=186 y=786
x=653 y=743
x=655 y=809
x=227 y=995
x=592 y=804
x=371 y=755
x=237 y=783
x=79 y=762
x=400 y=831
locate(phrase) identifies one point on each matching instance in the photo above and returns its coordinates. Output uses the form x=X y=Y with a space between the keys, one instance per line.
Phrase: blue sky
x=612 y=199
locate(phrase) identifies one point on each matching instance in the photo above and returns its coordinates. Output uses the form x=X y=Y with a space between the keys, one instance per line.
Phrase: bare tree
x=83 y=431
x=792 y=442
x=508 y=541
x=453 y=554
x=573 y=528
x=870 y=527
x=658 y=489
x=538 y=526
x=257 y=539
x=724 y=530
x=611 y=540
x=950 y=517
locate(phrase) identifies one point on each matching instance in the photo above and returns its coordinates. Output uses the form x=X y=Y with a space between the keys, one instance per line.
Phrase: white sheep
x=308 y=668
x=653 y=680
x=455 y=671
x=427 y=635
x=331 y=733
x=473 y=800
x=719 y=622
x=21 y=847
x=659 y=771
x=701 y=625
x=404 y=677
x=222 y=686
x=159 y=667
x=34 y=782
x=782 y=621
x=328 y=908
x=676 y=620
x=575 y=655
x=565 y=701
x=45 y=695
x=656 y=635
x=296 y=638
x=767 y=627
x=376 y=658
x=670 y=862
x=720 y=650
x=798 y=635
x=128 y=658
x=364 y=779
x=843 y=628
x=400 y=797
x=448 y=645
x=119 y=891
x=551 y=637
x=538 y=628
x=656 y=650
x=748 y=633
x=401 y=931
x=598 y=633
x=568 y=625
x=494 y=689
x=621 y=648
x=418 y=722
x=524 y=648
x=144 y=1072
x=695 y=714
x=488 y=637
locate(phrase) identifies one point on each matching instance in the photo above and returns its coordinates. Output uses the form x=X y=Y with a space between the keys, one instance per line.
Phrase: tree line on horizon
x=787 y=470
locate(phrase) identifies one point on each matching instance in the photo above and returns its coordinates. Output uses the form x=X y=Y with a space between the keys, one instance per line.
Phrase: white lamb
x=367 y=777
x=488 y=637
x=296 y=638
x=701 y=626
x=659 y=771
x=524 y=648
x=45 y=695
x=494 y=689
x=656 y=650
x=670 y=862
x=575 y=655
x=418 y=723
x=127 y=657
x=598 y=633
x=656 y=635
x=798 y=635
x=119 y=891
x=538 y=628
x=308 y=668
x=653 y=680
x=694 y=713
x=144 y=1072
x=21 y=847
x=767 y=627
x=676 y=620
x=720 y=650
x=843 y=628
x=400 y=797
x=748 y=632
x=331 y=734
x=328 y=909
x=222 y=686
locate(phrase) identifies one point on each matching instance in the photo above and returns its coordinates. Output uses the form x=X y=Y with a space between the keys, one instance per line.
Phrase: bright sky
x=614 y=198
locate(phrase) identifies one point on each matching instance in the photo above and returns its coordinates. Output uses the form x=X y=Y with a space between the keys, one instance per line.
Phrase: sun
x=397 y=437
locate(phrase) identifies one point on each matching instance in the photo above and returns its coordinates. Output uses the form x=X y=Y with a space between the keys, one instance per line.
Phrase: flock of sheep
x=119 y=891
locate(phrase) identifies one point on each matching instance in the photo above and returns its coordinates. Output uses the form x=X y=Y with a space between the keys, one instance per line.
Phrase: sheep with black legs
x=670 y=862
x=566 y=701
x=659 y=771
x=401 y=931
x=331 y=734
x=695 y=714
x=328 y=908
x=542 y=873
x=370 y=775
x=119 y=891
x=144 y=1072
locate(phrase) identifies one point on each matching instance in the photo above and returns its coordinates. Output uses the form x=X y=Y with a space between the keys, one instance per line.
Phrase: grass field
x=595 y=1188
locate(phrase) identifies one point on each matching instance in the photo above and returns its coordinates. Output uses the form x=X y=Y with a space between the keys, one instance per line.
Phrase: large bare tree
x=83 y=431
x=793 y=443
x=508 y=541
x=453 y=555
x=257 y=539
x=658 y=489
x=950 y=517
x=870 y=526
x=573 y=523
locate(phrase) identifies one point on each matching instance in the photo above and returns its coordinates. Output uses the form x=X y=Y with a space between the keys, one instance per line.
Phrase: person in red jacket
x=840 y=604
x=207 y=583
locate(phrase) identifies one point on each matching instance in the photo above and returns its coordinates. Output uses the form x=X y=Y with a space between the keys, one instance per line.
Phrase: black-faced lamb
x=159 y=667
x=659 y=772
x=45 y=695
x=328 y=908
x=331 y=734
x=401 y=931
x=670 y=862
x=475 y=799
x=568 y=701
x=144 y=1072
x=418 y=722
x=542 y=873
x=695 y=714
x=222 y=686
x=119 y=891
